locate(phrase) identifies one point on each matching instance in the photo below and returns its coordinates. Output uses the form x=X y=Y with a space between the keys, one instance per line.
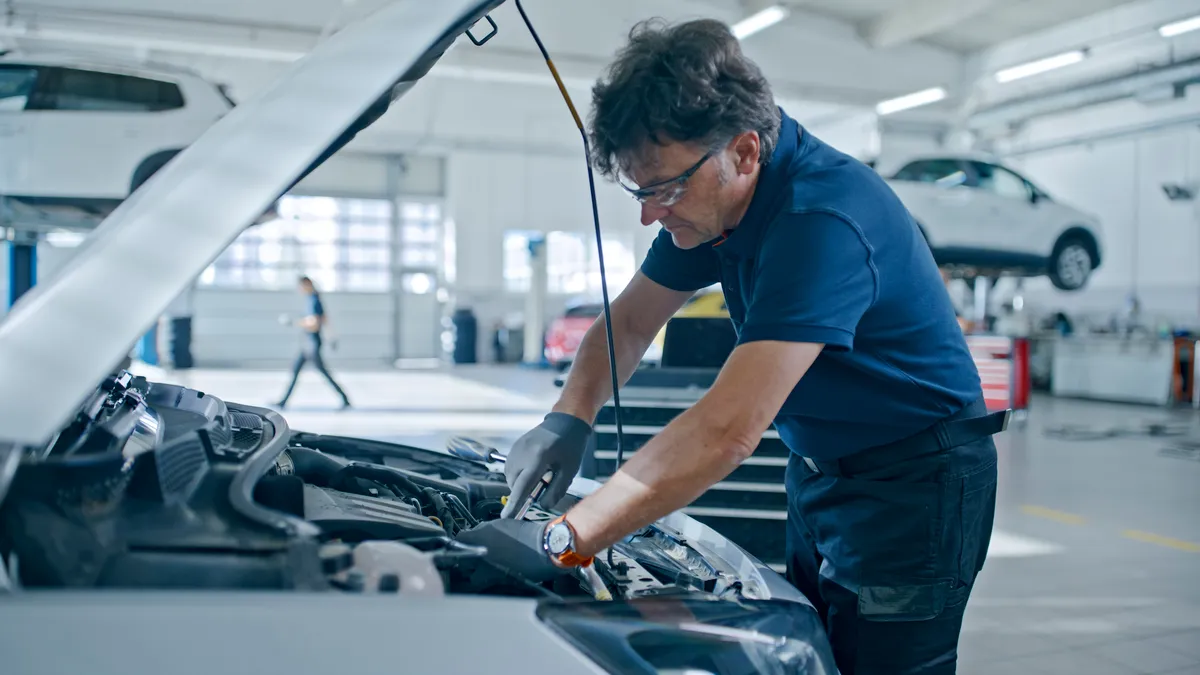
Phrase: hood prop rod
x=587 y=154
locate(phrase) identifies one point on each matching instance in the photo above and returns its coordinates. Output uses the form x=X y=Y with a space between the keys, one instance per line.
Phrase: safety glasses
x=667 y=192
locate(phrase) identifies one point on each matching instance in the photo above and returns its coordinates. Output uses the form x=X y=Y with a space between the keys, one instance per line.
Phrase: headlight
x=695 y=634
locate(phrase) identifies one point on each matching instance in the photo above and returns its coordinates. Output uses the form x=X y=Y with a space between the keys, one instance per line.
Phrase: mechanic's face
x=695 y=194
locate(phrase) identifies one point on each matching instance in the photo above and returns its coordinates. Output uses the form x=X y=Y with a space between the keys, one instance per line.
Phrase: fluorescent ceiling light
x=759 y=20
x=1180 y=27
x=535 y=77
x=152 y=44
x=65 y=238
x=1040 y=66
x=918 y=99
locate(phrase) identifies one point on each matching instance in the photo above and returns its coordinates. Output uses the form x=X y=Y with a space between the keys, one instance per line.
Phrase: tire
x=1072 y=263
x=149 y=167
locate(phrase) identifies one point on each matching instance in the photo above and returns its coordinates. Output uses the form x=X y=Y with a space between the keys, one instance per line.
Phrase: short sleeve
x=814 y=280
x=318 y=309
x=680 y=269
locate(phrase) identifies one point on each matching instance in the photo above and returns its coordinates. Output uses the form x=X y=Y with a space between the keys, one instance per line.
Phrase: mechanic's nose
x=652 y=214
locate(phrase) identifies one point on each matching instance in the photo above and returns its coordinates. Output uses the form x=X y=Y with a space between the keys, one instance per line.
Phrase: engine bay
x=160 y=486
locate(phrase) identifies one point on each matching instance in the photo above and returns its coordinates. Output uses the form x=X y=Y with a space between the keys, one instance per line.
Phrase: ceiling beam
x=914 y=19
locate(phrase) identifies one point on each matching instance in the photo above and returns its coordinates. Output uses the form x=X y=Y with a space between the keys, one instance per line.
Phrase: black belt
x=969 y=424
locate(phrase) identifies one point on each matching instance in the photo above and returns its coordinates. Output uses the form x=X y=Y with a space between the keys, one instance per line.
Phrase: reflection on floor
x=1094 y=567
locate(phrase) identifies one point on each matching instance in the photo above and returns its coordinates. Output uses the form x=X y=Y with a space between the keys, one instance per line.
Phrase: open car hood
x=157 y=488
x=67 y=333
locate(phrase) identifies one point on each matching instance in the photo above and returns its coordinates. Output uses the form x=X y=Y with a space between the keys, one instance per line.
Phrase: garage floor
x=1095 y=566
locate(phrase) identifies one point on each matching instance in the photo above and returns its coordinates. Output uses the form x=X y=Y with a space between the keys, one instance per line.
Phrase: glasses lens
x=670 y=195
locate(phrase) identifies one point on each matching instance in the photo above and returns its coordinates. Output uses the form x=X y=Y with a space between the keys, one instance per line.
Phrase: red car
x=566 y=332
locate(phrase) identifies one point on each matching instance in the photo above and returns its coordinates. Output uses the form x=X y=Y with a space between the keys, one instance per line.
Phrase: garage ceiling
x=850 y=53
x=961 y=25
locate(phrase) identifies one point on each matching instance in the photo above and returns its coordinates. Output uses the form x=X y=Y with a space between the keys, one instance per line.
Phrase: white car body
x=977 y=213
x=84 y=129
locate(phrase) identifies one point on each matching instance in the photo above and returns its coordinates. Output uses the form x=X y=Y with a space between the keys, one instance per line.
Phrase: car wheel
x=1071 y=264
x=149 y=167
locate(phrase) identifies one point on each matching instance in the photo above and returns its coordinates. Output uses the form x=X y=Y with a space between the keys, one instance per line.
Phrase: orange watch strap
x=569 y=558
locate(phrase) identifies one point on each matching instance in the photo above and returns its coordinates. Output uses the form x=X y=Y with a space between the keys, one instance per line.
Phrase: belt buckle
x=811 y=464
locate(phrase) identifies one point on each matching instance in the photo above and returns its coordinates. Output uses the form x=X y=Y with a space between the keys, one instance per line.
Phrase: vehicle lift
x=22 y=251
x=23 y=223
x=981 y=283
x=1003 y=361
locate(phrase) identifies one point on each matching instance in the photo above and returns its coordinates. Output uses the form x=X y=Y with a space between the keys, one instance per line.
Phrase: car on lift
x=83 y=130
x=978 y=214
x=165 y=529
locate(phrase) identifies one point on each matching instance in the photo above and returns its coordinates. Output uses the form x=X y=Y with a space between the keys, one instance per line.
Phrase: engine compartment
x=159 y=486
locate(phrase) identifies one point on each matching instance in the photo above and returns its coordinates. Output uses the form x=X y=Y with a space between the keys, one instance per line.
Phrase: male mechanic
x=847 y=342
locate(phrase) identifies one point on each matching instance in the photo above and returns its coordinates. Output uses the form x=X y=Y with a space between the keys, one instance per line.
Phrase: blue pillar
x=147 y=348
x=22 y=269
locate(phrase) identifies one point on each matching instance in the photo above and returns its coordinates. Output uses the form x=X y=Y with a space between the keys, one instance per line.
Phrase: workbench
x=1136 y=369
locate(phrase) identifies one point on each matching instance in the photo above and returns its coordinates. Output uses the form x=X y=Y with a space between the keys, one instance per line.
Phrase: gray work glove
x=514 y=545
x=556 y=445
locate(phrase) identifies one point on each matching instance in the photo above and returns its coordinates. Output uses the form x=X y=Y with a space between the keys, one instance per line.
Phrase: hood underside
x=68 y=332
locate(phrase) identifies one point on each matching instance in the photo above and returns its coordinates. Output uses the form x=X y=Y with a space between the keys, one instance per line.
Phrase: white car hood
x=66 y=334
x=289 y=633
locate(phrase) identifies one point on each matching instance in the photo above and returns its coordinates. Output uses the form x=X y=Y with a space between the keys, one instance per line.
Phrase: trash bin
x=180 y=343
x=466 y=333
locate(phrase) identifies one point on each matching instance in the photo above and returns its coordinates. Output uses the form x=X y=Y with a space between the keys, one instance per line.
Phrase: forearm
x=689 y=456
x=589 y=384
x=698 y=448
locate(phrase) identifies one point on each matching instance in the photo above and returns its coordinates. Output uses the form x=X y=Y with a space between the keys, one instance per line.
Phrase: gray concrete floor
x=1095 y=566
x=1122 y=593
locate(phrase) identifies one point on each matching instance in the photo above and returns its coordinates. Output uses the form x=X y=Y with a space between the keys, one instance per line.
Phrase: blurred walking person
x=312 y=324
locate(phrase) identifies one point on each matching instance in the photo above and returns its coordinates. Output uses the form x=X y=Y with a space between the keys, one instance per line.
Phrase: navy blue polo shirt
x=827 y=253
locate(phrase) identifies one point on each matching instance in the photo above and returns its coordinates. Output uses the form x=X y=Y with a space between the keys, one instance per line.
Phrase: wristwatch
x=559 y=543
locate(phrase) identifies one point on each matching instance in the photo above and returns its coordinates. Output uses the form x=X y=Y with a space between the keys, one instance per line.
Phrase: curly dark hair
x=688 y=83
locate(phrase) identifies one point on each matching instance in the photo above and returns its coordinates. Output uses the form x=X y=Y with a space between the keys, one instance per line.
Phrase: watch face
x=558 y=539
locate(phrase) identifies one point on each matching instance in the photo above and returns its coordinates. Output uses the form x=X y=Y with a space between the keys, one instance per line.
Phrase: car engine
x=160 y=486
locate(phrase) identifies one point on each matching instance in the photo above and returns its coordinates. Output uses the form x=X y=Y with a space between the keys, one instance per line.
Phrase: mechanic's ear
x=746 y=149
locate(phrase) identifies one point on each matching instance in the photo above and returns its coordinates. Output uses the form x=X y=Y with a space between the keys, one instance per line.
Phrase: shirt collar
x=773 y=180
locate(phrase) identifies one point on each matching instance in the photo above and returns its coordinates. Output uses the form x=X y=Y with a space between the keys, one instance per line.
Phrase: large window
x=518 y=270
x=572 y=263
x=566 y=263
x=619 y=265
x=342 y=244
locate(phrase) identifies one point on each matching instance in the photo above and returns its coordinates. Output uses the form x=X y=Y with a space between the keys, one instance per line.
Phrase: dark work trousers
x=312 y=352
x=888 y=551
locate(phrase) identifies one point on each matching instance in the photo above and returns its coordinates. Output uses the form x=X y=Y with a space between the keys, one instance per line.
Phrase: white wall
x=1151 y=244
